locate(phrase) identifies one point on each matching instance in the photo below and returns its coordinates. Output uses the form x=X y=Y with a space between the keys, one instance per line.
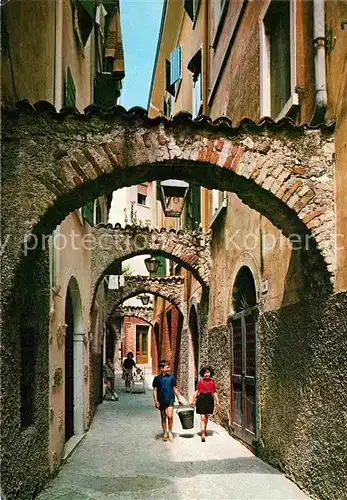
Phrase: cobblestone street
x=123 y=456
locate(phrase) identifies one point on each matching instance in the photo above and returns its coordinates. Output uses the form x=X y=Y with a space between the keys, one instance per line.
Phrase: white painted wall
x=122 y=199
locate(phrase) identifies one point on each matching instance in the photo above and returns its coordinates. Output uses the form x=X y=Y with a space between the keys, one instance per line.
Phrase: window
x=161 y=271
x=141 y=344
x=192 y=8
x=195 y=67
x=197 y=96
x=141 y=199
x=88 y=212
x=69 y=90
x=97 y=212
x=167 y=106
x=83 y=16
x=142 y=193
x=215 y=201
x=218 y=6
x=173 y=71
x=219 y=12
x=193 y=208
x=277 y=60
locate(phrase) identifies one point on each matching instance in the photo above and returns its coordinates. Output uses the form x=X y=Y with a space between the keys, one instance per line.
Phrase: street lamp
x=152 y=264
x=144 y=299
x=173 y=195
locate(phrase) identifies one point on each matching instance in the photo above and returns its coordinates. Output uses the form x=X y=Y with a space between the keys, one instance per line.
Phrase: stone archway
x=191 y=249
x=171 y=288
x=57 y=162
x=144 y=313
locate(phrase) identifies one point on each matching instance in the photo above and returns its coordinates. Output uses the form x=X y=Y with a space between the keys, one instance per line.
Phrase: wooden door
x=141 y=345
x=243 y=375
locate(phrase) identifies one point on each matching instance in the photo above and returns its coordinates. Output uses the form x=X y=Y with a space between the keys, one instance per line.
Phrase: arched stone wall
x=144 y=313
x=190 y=248
x=171 y=288
x=54 y=163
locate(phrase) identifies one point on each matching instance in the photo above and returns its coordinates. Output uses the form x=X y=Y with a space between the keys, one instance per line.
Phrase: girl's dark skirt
x=205 y=404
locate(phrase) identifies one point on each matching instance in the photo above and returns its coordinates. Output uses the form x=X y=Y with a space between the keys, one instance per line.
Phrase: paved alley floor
x=123 y=457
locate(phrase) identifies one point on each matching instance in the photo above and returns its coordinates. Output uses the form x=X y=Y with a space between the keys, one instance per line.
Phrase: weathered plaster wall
x=302 y=361
x=244 y=237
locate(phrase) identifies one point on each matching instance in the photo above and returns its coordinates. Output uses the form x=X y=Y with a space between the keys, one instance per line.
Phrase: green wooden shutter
x=69 y=91
x=158 y=188
x=161 y=271
x=86 y=16
x=88 y=212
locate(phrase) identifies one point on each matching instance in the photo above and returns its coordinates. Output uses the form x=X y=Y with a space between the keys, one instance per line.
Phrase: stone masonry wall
x=302 y=366
x=24 y=450
x=303 y=393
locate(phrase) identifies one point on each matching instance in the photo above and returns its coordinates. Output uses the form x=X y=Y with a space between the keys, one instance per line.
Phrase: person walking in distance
x=128 y=370
x=164 y=392
x=204 y=397
x=108 y=371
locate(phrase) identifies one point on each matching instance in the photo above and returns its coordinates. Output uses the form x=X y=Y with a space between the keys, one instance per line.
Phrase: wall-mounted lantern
x=173 y=194
x=144 y=299
x=152 y=264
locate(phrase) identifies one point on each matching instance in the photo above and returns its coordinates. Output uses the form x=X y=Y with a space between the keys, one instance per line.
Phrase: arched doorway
x=243 y=356
x=193 y=349
x=74 y=362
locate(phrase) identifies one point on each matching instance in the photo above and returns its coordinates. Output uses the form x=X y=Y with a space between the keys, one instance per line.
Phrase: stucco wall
x=32 y=44
x=28 y=47
x=244 y=237
x=70 y=263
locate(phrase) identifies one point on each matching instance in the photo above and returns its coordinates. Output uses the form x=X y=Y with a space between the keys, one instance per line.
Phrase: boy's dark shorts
x=166 y=404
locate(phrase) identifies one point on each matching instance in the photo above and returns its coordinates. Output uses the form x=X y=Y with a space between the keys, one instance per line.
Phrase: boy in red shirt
x=204 y=397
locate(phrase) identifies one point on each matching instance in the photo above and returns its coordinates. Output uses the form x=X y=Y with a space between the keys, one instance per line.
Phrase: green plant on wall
x=132 y=219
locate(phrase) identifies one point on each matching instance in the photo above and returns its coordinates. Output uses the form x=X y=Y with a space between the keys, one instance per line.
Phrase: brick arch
x=191 y=249
x=144 y=313
x=59 y=161
x=170 y=288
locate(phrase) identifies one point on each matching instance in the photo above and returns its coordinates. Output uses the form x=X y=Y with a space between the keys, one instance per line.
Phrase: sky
x=140 y=23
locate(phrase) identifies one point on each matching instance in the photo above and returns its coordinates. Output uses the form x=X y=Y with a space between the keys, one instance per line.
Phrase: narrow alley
x=123 y=456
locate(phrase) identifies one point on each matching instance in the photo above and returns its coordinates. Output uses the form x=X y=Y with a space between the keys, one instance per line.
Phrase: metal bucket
x=186 y=416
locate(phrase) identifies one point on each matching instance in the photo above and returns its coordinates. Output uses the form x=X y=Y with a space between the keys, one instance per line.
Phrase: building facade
x=247 y=60
x=64 y=53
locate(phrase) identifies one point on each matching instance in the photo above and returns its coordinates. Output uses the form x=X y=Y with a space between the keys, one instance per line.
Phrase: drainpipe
x=58 y=55
x=319 y=60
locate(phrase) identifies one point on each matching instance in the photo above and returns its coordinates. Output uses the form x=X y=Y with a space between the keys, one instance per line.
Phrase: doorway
x=141 y=344
x=69 y=368
x=193 y=349
x=74 y=362
x=243 y=335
